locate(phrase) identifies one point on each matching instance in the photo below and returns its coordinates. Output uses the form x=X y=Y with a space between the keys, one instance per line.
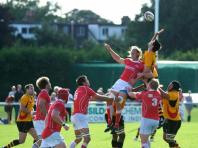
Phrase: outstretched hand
x=159 y=32
x=107 y=46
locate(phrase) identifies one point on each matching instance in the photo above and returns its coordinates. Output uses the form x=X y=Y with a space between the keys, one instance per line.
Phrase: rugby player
x=55 y=120
x=42 y=104
x=118 y=137
x=149 y=60
x=25 y=119
x=133 y=66
x=83 y=95
x=150 y=118
x=172 y=123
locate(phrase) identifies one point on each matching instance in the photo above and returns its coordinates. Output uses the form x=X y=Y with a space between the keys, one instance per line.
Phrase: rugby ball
x=149 y=16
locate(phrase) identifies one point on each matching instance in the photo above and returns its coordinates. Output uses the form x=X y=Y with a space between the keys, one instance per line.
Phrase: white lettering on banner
x=131 y=112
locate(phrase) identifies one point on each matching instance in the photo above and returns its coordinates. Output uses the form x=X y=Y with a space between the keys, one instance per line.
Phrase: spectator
x=189 y=105
x=9 y=106
x=12 y=92
x=181 y=105
x=35 y=99
x=19 y=93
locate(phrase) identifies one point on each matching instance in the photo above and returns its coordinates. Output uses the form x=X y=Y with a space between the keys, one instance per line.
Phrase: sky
x=109 y=9
x=112 y=10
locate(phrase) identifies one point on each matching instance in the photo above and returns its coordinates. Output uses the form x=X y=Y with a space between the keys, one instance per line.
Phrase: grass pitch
x=187 y=135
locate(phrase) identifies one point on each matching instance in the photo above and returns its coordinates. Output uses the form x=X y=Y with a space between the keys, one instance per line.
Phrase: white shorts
x=148 y=126
x=53 y=140
x=120 y=85
x=39 y=126
x=79 y=121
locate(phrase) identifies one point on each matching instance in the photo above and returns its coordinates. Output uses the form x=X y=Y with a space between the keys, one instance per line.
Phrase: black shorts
x=121 y=124
x=171 y=126
x=24 y=126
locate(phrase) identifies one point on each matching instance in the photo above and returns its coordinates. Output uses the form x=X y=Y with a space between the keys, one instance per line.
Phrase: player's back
x=45 y=96
x=150 y=103
x=149 y=60
x=81 y=99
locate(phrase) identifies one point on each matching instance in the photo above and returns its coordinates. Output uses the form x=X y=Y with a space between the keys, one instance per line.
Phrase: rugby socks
x=149 y=143
x=145 y=145
x=114 y=143
x=84 y=145
x=138 y=133
x=36 y=144
x=73 y=144
x=117 y=119
x=120 y=144
x=189 y=118
x=12 y=144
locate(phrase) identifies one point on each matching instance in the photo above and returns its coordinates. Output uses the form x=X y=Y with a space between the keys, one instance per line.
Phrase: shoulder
x=173 y=95
x=43 y=94
x=59 y=103
x=127 y=60
x=25 y=96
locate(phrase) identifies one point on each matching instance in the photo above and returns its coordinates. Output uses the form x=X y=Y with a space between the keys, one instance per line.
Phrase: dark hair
x=176 y=85
x=28 y=86
x=42 y=82
x=156 y=46
x=81 y=79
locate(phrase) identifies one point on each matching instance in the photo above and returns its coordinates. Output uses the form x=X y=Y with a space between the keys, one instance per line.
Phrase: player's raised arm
x=164 y=94
x=157 y=34
x=114 y=55
x=99 y=97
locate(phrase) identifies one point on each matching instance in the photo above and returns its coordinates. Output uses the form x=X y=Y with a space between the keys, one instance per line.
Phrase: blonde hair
x=137 y=49
x=154 y=84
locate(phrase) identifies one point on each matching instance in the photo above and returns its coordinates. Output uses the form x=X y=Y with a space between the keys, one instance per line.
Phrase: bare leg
x=33 y=133
x=144 y=141
x=77 y=140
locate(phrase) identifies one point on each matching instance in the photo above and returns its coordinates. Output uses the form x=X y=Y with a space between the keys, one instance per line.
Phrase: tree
x=125 y=20
x=30 y=11
x=84 y=16
x=6 y=37
x=178 y=17
x=47 y=35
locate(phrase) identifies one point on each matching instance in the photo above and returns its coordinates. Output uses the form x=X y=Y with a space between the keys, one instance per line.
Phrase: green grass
x=187 y=135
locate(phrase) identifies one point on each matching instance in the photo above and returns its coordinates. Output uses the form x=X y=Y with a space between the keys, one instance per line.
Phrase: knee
x=21 y=141
x=169 y=138
x=87 y=139
x=122 y=136
x=164 y=137
x=78 y=140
